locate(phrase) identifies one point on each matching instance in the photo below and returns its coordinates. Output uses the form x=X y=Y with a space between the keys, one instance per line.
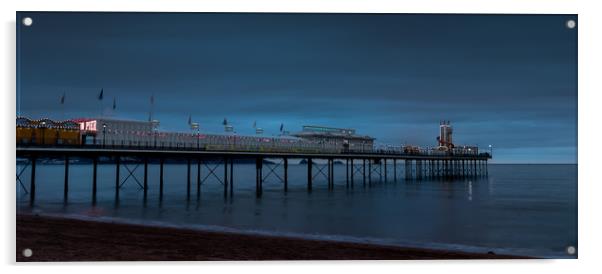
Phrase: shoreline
x=64 y=239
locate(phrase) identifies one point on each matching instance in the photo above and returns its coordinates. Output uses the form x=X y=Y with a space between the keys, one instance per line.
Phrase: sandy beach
x=59 y=239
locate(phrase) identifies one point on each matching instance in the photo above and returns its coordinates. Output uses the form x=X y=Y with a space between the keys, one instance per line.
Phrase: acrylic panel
x=295 y=136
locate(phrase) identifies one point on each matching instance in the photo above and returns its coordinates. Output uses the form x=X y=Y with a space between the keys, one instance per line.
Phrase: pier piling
x=370 y=172
x=364 y=172
x=198 y=178
x=417 y=167
x=285 y=174
x=231 y=177
x=32 y=182
x=385 y=165
x=259 y=179
x=395 y=170
x=347 y=172
x=161 y=162
x=188 y=180
x=225 y=177
x=66 y=183
x=145 y=183
x=309 y=173
x=94 y=173
x=352 y=171
x=117 y=176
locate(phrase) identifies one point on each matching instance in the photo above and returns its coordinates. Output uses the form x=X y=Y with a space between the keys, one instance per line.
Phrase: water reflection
x=532 y=209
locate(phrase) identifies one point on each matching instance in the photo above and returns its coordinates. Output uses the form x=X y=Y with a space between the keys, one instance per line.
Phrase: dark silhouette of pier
x=365 y=165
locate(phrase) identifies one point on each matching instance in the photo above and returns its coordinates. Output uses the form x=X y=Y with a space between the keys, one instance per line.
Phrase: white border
x=589 y=130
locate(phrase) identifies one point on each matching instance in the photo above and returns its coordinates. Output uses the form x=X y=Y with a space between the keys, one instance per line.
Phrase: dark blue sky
x=506 y=80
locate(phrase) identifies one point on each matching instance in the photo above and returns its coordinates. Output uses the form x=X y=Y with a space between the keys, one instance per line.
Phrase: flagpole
x=152 y=107
x=114 y=107
x=100 y=98
x=63 y=107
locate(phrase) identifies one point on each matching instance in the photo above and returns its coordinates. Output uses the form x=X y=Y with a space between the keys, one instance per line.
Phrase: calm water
x=518 y=209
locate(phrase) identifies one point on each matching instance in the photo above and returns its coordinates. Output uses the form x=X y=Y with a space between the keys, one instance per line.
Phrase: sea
x=522 y=209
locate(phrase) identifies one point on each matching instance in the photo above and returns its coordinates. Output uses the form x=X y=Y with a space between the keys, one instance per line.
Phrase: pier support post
x=145 y=186
x=231 y=177
x=161 y=162
x=380 y=171
x=32 y=183
x=66 y=184
x=369 y=171
x=309 y=174
x=117 y=176
x=364 y=172
x=416 y=168
x=406 y=173
x=446 y=169
x=419 y=169
x=469 y=170
x=395 y=170
x=94 y=173
x=285 y=175
x=225 y=177
x=484 y=166
x=260 y=178
x=188 y=179
x=330 y=174
x=347 y=172
x=257 y=176
x=385 y=164
x=430 y=169
x=352 y=171
x=431 y=166
x=198 y=178
x=487 y=168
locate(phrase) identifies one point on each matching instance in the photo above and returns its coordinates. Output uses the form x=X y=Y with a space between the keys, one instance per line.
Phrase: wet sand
x=59 y=239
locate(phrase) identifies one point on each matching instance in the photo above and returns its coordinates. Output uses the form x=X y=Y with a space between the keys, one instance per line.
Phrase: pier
x=362 y=169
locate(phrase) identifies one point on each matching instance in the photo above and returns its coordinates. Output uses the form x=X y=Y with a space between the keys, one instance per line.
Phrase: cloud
x=505 y=80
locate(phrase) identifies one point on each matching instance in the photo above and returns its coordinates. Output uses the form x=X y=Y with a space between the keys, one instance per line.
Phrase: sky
x=509 y=81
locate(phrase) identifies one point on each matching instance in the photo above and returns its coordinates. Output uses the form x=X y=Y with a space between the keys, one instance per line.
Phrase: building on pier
x=46 y=132
x=134 y=133
x=344 y=138
x=116 y=131
x=444 y=139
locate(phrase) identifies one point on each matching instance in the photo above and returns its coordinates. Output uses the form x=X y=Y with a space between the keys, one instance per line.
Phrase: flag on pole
x=100 y=95
x=63 y=99
x=114 y=103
